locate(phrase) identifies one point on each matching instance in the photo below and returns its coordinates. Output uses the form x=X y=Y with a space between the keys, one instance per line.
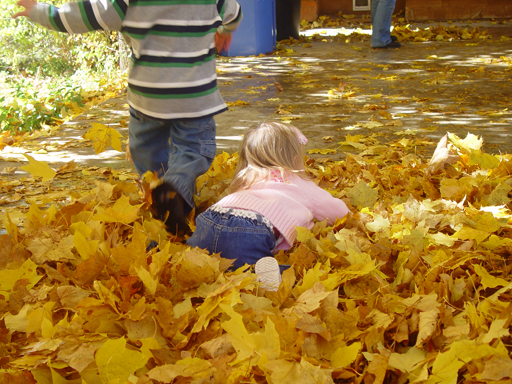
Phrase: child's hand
x=222 y=41
x=28 y=5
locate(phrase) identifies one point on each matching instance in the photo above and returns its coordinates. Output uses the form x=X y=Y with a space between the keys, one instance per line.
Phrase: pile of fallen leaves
x=402 y=30
x=439 y=33
x=414 y=286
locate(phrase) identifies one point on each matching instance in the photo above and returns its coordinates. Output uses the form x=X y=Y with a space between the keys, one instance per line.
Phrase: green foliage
x=35 y=50
x=26 y=108
x=40 y=70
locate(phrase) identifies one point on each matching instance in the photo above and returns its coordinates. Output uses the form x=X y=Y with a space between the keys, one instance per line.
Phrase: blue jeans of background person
x=382 y=11
x=245 y=239
x=179 y=150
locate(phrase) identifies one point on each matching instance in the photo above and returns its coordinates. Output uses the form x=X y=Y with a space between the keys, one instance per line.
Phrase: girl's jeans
x=246 y=239
x=178 y=150
x=382 y=11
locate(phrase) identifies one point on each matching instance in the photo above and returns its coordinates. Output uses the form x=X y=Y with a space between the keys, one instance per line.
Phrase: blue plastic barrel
x=256 y=33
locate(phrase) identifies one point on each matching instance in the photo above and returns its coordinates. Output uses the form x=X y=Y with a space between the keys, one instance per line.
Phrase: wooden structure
x=416 y=10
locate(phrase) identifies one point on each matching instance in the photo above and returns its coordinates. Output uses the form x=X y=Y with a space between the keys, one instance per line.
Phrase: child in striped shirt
x=172 y=84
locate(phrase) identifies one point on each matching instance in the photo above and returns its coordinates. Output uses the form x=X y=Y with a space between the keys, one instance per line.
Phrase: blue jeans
x=382 y=10
x=178 y=150
x=245 y=239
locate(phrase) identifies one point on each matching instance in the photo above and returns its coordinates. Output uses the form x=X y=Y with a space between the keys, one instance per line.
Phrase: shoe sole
x=392 y=45
x=268 y=273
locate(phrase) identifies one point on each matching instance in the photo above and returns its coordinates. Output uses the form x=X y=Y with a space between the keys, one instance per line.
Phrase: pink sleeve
x=325 y=206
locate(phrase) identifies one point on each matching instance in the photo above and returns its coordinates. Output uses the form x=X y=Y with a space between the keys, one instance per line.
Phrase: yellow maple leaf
x=499 y=196
x=498 y=330
x=485 y=160
x=441 y=239
x=427 y=325
x=149 y=282
x=116 y=362
x=487 y=280
x=148 y=344
x=238 y=334
x=86 y=248
x=121 y=212
x=36 y=318
x=469 y=144
x=189 y=367
x=407 y=362
x=379 y=224
x=288 y=372
x=468 y=233
x=9 y=277
x=326 y=151
x=103 y=136
x=45 y=248
x=312 y=298
x=445 y=368
x=38 y=168
x=497 y=368
x=456 y=189
x=496 y=242
x=182 y=308
x=344 y=356
x=18 y=322
x=362 y=195
x=197 y=267
x=267 y=342
x=370 y=124
x=311 y=276
x=354 y=138
x=304 y=234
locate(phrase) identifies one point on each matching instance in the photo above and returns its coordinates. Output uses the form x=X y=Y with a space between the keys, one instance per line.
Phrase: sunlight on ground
x=335 y=31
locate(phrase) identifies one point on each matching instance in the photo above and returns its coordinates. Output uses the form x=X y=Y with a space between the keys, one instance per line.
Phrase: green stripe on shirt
x=51 y=11
x=84 y=16
x=176 y=96
x=221 y=13
x=171 y=34
x=118 y=8
x=171 y=65
x=172 y=2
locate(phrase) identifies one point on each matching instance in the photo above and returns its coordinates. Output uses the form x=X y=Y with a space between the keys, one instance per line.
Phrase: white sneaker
x=268 y=272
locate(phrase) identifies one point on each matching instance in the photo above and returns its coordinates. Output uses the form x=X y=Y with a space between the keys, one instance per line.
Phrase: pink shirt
x=287 y=204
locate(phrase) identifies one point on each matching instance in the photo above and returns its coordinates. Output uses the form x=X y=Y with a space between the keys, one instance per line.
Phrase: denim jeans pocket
x=135 y=115
x=204 y=123
x=208 y=148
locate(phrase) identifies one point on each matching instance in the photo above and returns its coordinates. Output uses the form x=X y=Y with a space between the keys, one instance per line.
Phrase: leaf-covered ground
x=413 y=286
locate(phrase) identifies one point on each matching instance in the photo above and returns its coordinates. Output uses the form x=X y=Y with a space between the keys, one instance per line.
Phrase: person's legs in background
x=382 y=12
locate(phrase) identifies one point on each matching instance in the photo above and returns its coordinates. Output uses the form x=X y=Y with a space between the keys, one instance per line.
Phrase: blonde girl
x=270 y=196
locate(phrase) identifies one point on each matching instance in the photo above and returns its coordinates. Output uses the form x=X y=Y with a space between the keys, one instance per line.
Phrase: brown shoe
x=170 y=207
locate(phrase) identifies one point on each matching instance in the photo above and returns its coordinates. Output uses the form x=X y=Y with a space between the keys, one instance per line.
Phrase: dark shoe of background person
x=394 y=38
x=393 y=44
x=170 y=207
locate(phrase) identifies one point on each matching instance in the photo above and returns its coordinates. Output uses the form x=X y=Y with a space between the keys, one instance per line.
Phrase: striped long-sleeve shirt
x=172 y=74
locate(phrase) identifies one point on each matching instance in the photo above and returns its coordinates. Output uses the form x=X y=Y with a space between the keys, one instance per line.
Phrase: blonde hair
x=265 y=147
